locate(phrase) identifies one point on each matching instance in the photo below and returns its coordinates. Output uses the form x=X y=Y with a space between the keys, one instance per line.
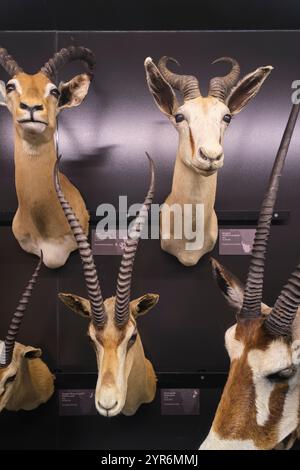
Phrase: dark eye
x=10 y=87
x=10 y=379
x=54 y=92
x=132 y=340
x=179 y=117
x=227 y=118
x=282 y=375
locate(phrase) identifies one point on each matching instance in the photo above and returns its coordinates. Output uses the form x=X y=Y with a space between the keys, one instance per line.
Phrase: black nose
x=31 y=109
x=210 y=159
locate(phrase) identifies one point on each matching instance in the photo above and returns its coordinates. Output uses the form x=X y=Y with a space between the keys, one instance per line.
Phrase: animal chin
x=33 y=127
x=203 y=171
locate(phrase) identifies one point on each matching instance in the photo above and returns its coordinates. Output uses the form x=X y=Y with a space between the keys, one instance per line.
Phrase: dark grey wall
x=103 y=144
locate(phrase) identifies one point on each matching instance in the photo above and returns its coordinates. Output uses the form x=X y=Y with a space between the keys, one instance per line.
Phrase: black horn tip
x=225 y=59
x=165 y=59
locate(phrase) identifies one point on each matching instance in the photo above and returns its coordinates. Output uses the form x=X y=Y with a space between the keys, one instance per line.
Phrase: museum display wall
x=103 y=144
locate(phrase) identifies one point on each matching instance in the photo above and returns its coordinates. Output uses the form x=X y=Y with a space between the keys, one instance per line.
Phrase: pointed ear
x=230 y=286
x=162 y=92
x=143 y=304
x=72 y=93
x=2 y=93
x=77 y=304
x=31 y=353
x=247 y=88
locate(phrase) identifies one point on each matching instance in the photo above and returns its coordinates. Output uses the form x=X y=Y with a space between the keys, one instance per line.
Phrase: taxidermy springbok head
x=25 y=380
x=126 y=379
x=259 y=408
x=34 y=102
x=201 y=122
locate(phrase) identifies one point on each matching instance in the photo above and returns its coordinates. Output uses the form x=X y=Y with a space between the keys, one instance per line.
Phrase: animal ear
x=72 y=93
x=247 y=88
x=230 y=286
x=77 y=304
x=162 y=92
x=32 y=353
x=2 y=93
x=143 y=304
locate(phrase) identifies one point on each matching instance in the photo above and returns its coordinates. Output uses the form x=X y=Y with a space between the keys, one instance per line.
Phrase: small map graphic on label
x=237 y=241
x=110 y=242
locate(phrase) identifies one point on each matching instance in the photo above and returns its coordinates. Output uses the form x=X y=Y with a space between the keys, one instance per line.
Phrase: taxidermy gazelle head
x=126 y=379
x=34 y=100
x=259 y=407
x=25 y=381
x=202 y=120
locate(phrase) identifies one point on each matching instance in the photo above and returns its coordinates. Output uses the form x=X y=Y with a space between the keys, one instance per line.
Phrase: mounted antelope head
x=201 y=122
x=259 y=408
x=34 y=102
x=25 y=380
x=126 y=379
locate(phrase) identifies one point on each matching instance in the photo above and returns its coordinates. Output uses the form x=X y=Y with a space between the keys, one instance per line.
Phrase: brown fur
x=39 y=222
x=139 y=377
x=34 y=383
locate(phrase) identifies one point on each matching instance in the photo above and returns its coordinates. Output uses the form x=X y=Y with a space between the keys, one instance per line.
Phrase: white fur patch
x=263 y=363
x=234 y=347
x=215 y=442
x=17 y=84
x=55 y=252
x=48 y=88
x=2 y=353
x=290 y=419
x=296 y=352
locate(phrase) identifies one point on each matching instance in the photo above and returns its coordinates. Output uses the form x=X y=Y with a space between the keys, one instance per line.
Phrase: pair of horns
x=219 y=87
x=279 y=321
x=122 y=313
x=13 y=330
x=59 y=60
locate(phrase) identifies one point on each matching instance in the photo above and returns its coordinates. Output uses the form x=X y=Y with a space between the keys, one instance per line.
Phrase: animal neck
x=191 y=187
x=34 y=164
x=140 y=382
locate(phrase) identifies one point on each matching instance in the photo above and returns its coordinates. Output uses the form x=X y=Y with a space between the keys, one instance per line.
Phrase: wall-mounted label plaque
x=110 y=242
x=236 y=241
x=179 y=401
x=77 y=402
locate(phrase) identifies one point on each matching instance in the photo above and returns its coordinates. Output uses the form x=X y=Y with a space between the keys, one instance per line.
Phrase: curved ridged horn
x=17 y=318
x=64 y=56
x=125 y=272
x=89 y=269
x=187 y=84
x=254 y=285
x=220 y=87
x=8 y=63
x=279 y=322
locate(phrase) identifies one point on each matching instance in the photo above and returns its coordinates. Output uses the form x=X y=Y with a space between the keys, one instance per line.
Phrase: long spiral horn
x=279 y=322
x=187 y=84
x=220 y=87
x=9 y=343
x=126 y=268
x=8 y=63
x=89 y=269
x=65 y=56
x=254 y=285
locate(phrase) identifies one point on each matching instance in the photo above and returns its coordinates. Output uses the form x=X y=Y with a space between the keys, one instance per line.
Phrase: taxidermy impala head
x=259 y=408
x=125 y=378
x=25 y=381
x=35 y=101
x=202 y=120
